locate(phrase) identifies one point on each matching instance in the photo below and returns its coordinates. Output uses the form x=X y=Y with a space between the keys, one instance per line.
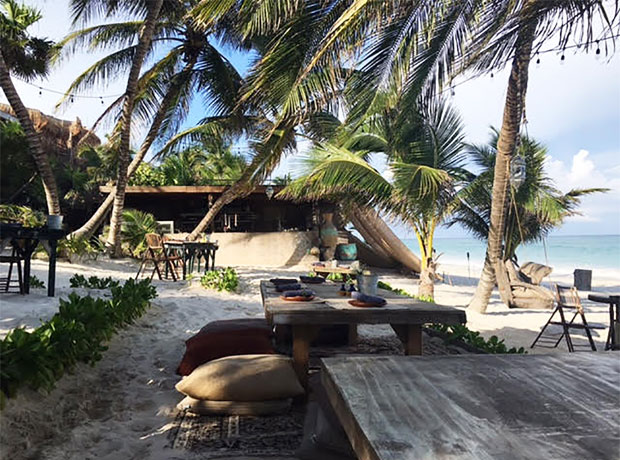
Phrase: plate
x=357 y=303
x=298 y=299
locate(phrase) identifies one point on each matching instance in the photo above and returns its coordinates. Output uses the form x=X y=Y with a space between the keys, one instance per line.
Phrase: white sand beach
x=122 y=408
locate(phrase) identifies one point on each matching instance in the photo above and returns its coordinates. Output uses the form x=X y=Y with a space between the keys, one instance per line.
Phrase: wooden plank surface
x=561 y=406
x=337 y=310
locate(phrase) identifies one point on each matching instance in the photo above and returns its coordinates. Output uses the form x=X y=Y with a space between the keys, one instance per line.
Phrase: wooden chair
x=5 y=283
x=568 y=302
x=156 y=253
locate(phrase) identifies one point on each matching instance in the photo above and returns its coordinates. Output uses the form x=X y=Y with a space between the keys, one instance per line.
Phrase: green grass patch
x=76 y=334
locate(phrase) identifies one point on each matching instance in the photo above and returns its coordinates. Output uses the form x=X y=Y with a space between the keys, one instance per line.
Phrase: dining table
x=613 y=300
x=25 y=240
x=405 y=315
x=192 y=253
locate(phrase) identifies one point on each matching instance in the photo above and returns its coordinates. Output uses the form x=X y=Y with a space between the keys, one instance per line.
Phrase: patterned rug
x=238 y=435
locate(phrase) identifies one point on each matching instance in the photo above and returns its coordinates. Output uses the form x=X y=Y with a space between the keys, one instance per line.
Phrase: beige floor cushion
x=205 y=407
x=243 y=378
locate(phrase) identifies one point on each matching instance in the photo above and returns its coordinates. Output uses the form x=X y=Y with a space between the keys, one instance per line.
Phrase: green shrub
x=21 y=214
x=80 y=246
x=36 y=282
x=92 y=282
x=222 y=279
x=459 y=332
x=75 y=334
x=136 y=225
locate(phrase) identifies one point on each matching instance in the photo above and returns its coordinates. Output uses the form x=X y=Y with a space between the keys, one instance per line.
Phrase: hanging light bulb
x=597 y=53
x=491 y=74
x=269 y=191
x=40 y=92
x=452 y=92
x=537 y=60
x=101 y=100
x=72 y=99
x=562 y=58
x=517 y=171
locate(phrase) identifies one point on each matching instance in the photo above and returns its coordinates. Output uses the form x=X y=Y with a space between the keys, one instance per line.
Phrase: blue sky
x=572 y=108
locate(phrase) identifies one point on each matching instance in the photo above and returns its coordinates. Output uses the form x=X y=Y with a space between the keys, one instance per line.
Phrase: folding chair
x=156 y=253
x=6 y=283
x=568 y=302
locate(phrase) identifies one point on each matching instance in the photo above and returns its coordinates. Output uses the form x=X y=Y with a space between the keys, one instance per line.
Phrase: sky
x=572 y=107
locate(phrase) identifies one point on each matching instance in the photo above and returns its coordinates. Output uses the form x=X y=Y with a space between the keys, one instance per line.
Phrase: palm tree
x=425 y=158
x=534 y=209
x=424 y=44
x=190 y=65
x=27 y=57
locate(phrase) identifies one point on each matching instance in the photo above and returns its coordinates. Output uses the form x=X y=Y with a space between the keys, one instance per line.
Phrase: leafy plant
x=136 y=225
x=92 y=282
x=75 y=334
x=223 y=279
x=36 y=282
x=456 y=333
x=80 y=246
x=21 y=214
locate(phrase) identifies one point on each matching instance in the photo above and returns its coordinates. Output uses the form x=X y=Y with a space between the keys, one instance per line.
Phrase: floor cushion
x=243 y=378
x=239 y=324
x=206 y=407
x=207 y=346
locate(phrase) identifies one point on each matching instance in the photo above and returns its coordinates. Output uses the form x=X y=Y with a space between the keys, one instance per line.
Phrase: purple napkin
x=299 y=293
x=288 y=287
x=368 y=298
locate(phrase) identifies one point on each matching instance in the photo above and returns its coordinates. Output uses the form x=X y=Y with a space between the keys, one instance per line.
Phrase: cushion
x=243 y=378
x=535 y=272
x=207 y=346
x=206 y=407
x=258 y=325
x=298 y=293
x=368 y=298
x=288 y=287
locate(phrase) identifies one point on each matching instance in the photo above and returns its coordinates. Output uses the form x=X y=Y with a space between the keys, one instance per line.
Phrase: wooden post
x=302 y=336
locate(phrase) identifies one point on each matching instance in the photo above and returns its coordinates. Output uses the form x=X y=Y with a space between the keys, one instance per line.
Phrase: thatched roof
x=58 y=135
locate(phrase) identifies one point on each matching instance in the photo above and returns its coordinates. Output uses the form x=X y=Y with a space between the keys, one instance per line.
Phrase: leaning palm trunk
x=506 y=146
x=34 y=141
x=382 y=236
x=96 y=219
x=114 y=238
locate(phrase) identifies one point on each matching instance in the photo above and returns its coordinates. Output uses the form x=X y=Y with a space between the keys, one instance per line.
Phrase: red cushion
x=207 y=346
x=242 y=324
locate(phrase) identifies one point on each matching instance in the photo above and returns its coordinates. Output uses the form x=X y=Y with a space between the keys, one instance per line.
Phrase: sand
x=123 y=407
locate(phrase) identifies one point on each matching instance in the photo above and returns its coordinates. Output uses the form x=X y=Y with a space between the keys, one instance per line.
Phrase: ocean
x=563 y=253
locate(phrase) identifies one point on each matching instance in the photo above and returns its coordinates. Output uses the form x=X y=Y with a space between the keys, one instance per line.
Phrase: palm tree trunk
x=34 y=140
x=96 y=219
x=114 y=238
x=506 y=146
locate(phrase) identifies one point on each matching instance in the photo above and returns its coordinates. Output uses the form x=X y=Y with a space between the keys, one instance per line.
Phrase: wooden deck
x=478 y=407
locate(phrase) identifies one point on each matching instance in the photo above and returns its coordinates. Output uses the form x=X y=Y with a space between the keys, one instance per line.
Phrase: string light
x=537 y=60
x=40 y=91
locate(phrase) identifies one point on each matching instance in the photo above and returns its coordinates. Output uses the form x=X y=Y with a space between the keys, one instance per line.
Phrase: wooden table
x=25 y=240
x=339 y=270
x=191 y=251
x=405 y=315
x=478 y=406
x=613 y=337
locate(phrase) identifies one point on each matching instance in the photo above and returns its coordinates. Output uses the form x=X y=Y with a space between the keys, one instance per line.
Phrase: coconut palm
x=187 y=65
x=534 y=209
x=27 y=57
x=423 y=44
x=425 y=158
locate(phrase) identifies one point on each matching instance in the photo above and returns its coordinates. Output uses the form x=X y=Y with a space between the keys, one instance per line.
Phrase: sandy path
x=122 y=408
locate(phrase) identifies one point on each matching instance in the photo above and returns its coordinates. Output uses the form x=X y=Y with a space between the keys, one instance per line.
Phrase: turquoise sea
x=564 y=253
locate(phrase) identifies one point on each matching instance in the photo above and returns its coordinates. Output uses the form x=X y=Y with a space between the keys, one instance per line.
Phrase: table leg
x=51 y=269
x=352 y=334
x=302 y=336
x=411 y=337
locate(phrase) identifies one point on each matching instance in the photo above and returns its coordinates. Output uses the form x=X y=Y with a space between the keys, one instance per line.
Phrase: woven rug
x=238 y=435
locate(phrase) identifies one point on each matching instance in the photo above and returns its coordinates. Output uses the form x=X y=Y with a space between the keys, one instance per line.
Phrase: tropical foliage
x=92 y=282
x=76 y=334
x=136 y=225
x=534 y=209
x=222 y=279
x=21 y=214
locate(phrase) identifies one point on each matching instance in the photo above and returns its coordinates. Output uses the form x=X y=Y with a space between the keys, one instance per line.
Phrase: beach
x=124 y=406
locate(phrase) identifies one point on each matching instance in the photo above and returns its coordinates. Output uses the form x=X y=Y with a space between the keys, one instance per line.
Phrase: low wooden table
x=324 y=271
x=405 y=315
x=613 y=337
x=25 y=240
x=562 y=406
